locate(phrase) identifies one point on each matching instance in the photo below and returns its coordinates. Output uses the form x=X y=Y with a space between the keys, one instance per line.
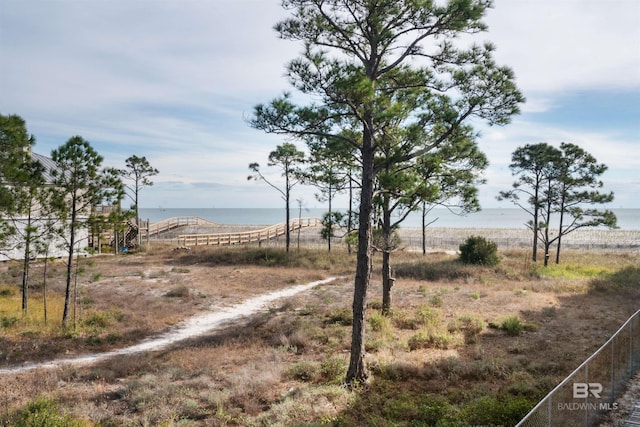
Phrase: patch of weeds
x=93 y=340
x=433 y=339
x=342 y=316
x=43 y=412
x=470 y=326
x=306 y=310
x=8 y=321
x=180 y=270
x=483 y=369
x=475 y=295
x=333 y=370
x=626 y=278
x=96 y=277
x=379 y=322
x=520 y=292
x=512 y=326
x=516 y=348
x=102 y=319
x=373 y=345
x=302 y=371
x=436 y=301
x=427 y=315
x=375 y=304
x=493 y=325
x=422 y=290
x=7 y=291
x=573 y=271
x=403 y=320
x=178 y=292
x=505 y=410
x=113 y=338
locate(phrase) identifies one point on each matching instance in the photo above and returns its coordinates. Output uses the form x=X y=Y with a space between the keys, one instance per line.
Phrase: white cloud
x=173 y=81
x=561 y=45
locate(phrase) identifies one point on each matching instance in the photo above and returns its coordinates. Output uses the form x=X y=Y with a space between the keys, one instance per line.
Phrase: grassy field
x=464 y=344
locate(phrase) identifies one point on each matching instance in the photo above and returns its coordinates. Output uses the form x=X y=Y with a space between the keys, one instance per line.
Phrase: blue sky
x=175 y=81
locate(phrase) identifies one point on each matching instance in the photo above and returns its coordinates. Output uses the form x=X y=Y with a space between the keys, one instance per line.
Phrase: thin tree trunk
x=67 y=294
x=287 y=230
x=139 y=237
x=44 y=284
x=357 y=371
x=547 y=244
x=349 y=219
x=424 y=229
x=387 y=282
x=535 y=224
x=25 y=266
x=560 y=231
x=330 y=222
x=75 y=291
x=299 y=221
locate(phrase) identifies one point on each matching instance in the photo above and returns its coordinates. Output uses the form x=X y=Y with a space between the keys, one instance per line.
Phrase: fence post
x=613 y=375
x=586 y=409
x=631 y=348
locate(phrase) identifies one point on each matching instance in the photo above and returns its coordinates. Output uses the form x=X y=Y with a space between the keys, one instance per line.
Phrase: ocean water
x=628 y=219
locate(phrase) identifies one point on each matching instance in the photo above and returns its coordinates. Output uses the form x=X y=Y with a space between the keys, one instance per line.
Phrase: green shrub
x=489 y=410
x=379 y=322
x=478 y=250
x=43 y=413
x=404 y=320
x=428 y=315
x=333 y=370
x=342 y=316
x=436 y=301
x=178 y=292
x=512 y=326
x=7 y=321
x=7 y=291
x=302 y=371
x=433 y=339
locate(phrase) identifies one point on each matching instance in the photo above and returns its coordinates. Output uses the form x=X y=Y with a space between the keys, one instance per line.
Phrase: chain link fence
x=591 y=390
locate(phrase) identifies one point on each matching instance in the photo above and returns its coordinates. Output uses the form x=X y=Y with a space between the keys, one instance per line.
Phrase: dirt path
x=191 y=328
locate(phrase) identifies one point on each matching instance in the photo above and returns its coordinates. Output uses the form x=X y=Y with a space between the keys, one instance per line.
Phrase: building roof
x=49 y=165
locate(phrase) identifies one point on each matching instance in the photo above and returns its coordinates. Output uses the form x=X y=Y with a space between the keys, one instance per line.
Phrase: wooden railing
x=223 y=239
x=175 y=222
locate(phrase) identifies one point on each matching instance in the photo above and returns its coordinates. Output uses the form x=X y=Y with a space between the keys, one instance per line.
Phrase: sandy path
x=191 y=328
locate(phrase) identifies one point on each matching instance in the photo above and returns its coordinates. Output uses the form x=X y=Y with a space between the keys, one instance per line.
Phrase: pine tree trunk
x=357 y=371
x=330 y=222
x=560 y=231
x=535 y=225
x=424 y=230
x=349 y=220
x=387 y=282
x=287 y=230
x=25 y=267
x=67 y=294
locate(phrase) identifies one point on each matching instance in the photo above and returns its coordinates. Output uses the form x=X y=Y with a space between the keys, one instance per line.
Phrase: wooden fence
x=255 y=236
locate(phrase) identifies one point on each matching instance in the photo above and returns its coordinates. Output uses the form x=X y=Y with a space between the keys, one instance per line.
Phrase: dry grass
x=436 y=358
